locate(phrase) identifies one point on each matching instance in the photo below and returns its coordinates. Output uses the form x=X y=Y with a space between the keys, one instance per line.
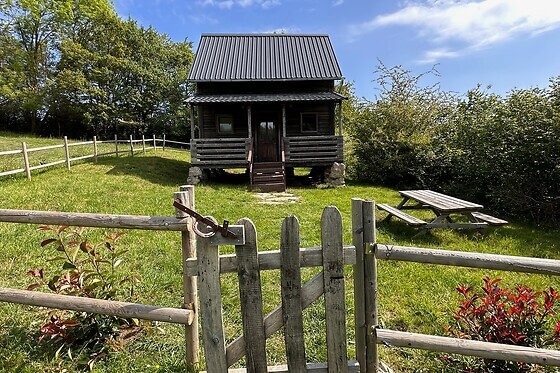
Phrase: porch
x=298 y=151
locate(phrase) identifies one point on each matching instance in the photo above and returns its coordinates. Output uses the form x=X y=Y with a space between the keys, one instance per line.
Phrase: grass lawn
x=413 y=297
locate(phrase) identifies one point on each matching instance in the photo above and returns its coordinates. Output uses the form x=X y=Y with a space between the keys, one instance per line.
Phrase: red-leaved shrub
x=519 y=317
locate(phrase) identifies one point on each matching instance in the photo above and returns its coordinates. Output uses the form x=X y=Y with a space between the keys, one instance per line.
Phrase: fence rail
x=186 y=315
x=151 y=143
x=202 y=267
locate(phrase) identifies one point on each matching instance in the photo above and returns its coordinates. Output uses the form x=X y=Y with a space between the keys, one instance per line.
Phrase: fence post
x=188 y=244
x=143 y=145
x=67 y=152
x=116 y=146
x=163 y=142
x=131 y=146
x=359 y=291
x=370 y=285
x=26 y=160
x=95 y=148
x=154 y=137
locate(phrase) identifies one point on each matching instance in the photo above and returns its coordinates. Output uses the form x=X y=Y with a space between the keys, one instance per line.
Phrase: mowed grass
x=413 y=297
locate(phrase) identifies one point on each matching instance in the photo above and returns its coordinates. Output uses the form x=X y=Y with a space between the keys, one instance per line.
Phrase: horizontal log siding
x=220 y=153
x=210 y=128
x=307 y=86
x=325 y=116
x=313 y=150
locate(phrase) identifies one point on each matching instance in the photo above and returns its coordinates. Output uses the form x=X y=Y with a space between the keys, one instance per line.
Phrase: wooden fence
x=202 y=267
x=133 y=146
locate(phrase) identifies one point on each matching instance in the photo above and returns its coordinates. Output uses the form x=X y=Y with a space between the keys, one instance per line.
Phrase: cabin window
x=225 y=123
x=309 y=122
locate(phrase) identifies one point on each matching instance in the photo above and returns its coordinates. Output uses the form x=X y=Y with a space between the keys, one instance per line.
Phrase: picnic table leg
x=473 y=219
x=399 y=206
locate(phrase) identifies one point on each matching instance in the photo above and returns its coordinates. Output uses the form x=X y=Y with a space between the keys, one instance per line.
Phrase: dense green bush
x=392 y=138
x=503 y=152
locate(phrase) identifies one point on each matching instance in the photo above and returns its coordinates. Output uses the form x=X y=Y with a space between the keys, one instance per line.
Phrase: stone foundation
x=196 y=175
x=334 y=175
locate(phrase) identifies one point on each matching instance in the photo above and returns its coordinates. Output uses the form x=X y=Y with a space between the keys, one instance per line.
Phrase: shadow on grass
x=157 y=170
x=21 y=338
x=399 y=231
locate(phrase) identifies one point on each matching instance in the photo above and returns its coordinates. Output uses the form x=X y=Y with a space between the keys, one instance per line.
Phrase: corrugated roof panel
x=278 y=97
x=264 y=57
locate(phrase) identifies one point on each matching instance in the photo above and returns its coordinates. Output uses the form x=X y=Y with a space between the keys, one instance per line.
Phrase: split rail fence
x=202 y=267
x=137 y=145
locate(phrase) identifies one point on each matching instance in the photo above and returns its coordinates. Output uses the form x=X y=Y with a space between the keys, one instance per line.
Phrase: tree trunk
x=34 y=127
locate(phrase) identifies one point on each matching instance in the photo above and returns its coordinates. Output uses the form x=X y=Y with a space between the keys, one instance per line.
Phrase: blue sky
x=502 y=43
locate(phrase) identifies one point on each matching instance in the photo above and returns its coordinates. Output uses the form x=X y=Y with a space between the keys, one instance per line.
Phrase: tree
x=36 y=26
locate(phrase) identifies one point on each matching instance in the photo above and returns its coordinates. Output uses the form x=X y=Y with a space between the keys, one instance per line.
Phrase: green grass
x=413 y=297
x=12 y=141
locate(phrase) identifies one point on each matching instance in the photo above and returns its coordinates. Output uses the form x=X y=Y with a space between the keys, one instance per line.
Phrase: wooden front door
x=267 y=141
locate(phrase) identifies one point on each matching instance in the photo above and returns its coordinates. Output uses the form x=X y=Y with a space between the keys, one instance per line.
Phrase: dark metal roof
x=279 y=97
x=239 y=57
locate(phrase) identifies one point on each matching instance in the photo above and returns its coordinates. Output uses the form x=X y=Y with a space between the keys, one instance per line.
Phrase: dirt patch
x=276 y=198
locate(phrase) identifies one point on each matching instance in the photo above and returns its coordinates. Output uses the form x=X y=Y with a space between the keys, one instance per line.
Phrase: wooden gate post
x=117 y=146
x=359 y=292
x=188 y=244
x=365 y=284
x=370 y=286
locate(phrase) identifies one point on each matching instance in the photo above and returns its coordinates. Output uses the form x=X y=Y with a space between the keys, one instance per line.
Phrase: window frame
x=218 y=127
x=316 y=114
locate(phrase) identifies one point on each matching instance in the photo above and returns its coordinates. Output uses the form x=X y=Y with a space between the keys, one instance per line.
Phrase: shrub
x=392 y=137
x=518 y=317
x=87 y=270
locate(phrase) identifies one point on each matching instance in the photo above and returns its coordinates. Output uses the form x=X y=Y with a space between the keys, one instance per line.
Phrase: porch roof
x=258 y=97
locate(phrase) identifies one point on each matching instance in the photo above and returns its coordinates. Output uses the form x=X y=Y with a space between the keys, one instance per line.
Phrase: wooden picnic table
x=445 y=208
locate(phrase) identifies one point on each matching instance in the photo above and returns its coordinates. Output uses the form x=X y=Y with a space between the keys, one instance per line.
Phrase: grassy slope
x=413 y=297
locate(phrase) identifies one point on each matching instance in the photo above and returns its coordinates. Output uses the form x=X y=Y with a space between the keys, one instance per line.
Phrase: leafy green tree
x=393 y=136
x=36 y=25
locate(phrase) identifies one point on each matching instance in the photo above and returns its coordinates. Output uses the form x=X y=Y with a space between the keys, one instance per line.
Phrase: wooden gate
x=247 y=262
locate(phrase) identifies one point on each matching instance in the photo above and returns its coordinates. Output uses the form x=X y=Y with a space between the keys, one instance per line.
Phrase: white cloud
x=337 y=2
x=281 y=30
x=471 y=25
x=228 y=4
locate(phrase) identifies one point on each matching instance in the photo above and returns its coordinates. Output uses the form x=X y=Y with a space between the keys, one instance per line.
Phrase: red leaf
x=62 y=228
x=44 y=228
x=33 y=286
x=48 y=241
x=36 y=272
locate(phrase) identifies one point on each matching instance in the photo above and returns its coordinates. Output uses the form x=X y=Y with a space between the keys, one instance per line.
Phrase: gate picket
x=291 y=295
x=250 y=296
x=210 y=297
x=335 y=307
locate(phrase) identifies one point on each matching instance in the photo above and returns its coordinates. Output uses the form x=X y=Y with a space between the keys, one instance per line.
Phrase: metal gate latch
x=214 y=227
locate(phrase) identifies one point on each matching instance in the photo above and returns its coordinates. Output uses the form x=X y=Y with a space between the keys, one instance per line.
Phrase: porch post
x=283 y=120
x=340 y=118
x=192 y=121
x=249 y=130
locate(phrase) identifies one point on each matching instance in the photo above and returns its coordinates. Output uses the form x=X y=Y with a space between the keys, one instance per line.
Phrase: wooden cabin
x=265 y=102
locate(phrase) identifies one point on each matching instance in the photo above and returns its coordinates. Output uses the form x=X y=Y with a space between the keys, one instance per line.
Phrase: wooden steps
x=268 y=177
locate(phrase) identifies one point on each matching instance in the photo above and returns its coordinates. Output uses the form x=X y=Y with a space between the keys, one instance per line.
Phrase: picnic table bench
x=444 y=207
